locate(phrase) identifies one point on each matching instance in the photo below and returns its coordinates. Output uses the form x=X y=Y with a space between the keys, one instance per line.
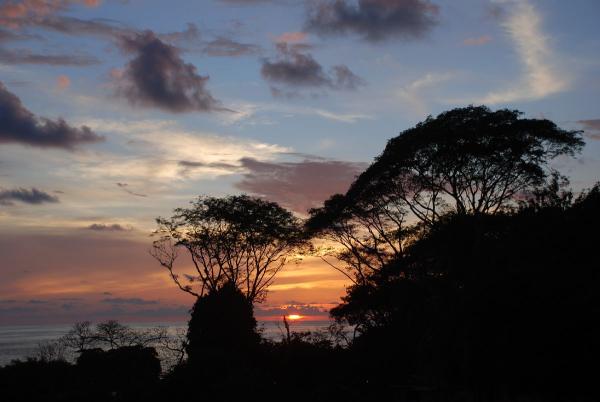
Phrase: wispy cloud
x=159 y=146
x=541 y=73
x=477 y=41
x=413 y=94
x=591 y=128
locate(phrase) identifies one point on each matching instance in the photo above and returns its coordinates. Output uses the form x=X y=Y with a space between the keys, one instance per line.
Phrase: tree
x=466 y=161
x=81 y=337
x=239 y=239
x=222 y=327
x=111 y=335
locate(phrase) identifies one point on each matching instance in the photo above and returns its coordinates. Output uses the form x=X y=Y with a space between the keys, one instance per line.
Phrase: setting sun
x=294 y=317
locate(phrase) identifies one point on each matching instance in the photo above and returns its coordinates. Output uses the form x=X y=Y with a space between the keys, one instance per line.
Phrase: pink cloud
x=479 y=41
x=12 y=10
x=291 y=37
x=298 y=185
x=63 y=82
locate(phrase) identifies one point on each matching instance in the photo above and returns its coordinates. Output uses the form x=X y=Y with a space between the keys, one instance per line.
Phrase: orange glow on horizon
x=294 y=317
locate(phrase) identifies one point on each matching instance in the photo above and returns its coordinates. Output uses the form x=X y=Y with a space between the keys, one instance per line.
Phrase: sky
x=115 y=112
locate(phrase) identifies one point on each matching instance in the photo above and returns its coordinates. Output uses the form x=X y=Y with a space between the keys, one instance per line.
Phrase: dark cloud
x=19 y=125
x=373 y=20
x=125 y=188
x=228 y=47
x=343 y=78
x=158 y=77
x=133 y=300
x=102 y=227
x=24 y=56
x=28 y=196
x=592 y=128
x=296 y=68
x=298 y=185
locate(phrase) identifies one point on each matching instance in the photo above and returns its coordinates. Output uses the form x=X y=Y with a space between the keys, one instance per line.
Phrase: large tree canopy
x=237 y=240
x=465 y=161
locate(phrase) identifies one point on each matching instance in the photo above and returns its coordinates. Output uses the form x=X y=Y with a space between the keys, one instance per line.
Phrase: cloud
x=158 y=77
x=245 y=2
x=341 y=117
x=298 y=185
x=74 y=26
x=19 y=125
x=413 y=93
x=63 y=82
x=102 y=227
x=133 y=300
x=291 y=37
x=32 y=196
x=190 y=34
x=478 y=41
x=12 y=12
x=372 y=20
x=222 y=46
x=128 y=191
x=7 y=35
x=295 y=185
x=24 y=56
x=311 y=310
x=296 y=69
x=159 y=146
x=593 y=126
x=541 y=78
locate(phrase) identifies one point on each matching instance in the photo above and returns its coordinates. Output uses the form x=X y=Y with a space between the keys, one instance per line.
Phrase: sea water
x=22 y=341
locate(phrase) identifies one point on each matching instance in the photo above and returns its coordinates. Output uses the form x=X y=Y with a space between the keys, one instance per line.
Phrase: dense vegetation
x=474 y=279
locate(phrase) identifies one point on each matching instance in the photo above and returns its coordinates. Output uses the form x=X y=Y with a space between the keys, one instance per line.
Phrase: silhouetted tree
x=129 y=373
x=80 y=337
x=465 y=161
x=222 y=326
x=491 y=303
x=237 y=240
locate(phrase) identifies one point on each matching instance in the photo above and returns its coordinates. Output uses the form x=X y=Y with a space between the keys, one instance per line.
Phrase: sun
x=294 y=317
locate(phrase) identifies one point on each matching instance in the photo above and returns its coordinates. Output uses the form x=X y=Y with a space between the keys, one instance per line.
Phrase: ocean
x=21 y=341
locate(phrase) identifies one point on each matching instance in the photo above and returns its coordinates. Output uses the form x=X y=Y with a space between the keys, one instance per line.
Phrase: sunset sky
x=115 y=112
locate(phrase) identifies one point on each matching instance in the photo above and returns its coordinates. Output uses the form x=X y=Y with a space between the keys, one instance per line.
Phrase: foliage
x=236 y=239
x=494 y=302
x=466 y=161
x=222 y=327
